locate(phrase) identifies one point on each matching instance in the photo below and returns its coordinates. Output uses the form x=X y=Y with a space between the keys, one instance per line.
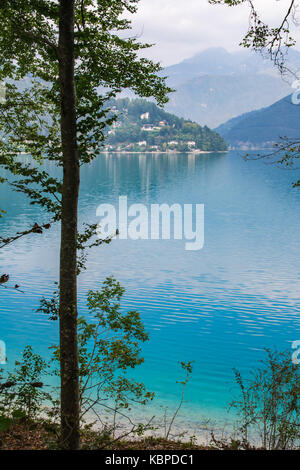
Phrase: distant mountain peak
x=242 y=81
x=215 y=51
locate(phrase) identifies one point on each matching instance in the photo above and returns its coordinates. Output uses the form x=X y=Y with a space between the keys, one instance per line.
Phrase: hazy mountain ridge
x=217 y=61
x=215 y=85
x=264 y=127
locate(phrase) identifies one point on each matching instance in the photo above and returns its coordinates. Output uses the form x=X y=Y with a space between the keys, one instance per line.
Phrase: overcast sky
x=181 y=28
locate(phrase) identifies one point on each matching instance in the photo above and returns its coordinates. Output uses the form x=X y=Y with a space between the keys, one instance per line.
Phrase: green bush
x=22 y=390
x=269 y=404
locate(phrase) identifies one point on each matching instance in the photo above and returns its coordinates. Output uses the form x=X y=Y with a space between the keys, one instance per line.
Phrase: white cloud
x=181 y=28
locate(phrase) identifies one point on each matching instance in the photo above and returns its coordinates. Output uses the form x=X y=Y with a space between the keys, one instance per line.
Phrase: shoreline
x=107 y=152
x=186 y=426
x=200 y=152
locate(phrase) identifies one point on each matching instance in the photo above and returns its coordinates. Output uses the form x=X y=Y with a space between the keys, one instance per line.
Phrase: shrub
x=269 y=403
x=21 y=391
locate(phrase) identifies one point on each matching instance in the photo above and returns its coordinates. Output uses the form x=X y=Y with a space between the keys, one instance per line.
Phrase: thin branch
x=35 y=229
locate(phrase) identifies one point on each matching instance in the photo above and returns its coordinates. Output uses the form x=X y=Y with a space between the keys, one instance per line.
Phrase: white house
x=145 y=116
x=116 y=124
x=147 y=127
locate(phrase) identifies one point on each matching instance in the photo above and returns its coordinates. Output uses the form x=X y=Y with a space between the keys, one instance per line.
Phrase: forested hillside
x=264 y=127
x=143 y=126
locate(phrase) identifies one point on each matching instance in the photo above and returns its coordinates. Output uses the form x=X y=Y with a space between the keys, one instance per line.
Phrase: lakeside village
x=143 y=127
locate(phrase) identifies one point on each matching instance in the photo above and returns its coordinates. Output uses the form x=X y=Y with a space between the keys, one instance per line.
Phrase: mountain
x=212 y=100
x=217 y=61
x=216 y=85
x=264 y=127
x=143 y=126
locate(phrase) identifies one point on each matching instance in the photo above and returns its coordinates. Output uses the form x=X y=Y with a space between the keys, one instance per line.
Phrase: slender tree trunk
x=68 y=253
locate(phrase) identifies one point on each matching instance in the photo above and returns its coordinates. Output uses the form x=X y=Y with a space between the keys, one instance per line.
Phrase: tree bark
x=68 y=250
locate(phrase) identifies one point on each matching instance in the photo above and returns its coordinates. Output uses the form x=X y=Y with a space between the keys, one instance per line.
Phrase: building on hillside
x=148 y=127
x=191 y=143
x=173 y=142
x=116 y=124
x=142 y=143
x=145 y=116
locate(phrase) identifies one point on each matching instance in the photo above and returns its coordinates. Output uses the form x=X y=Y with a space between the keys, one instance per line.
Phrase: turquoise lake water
x=220 y=306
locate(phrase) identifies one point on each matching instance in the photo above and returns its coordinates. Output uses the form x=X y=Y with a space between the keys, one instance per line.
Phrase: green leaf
x=18 y=414
x=4 y=423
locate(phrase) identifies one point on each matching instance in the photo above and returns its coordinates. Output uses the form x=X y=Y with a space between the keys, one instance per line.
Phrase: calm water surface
x=219 y=306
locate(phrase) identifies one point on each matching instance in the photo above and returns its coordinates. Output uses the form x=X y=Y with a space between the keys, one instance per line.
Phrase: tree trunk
x=68 y=253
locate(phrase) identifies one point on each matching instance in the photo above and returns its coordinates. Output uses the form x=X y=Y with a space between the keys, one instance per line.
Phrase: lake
x=219 y=306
